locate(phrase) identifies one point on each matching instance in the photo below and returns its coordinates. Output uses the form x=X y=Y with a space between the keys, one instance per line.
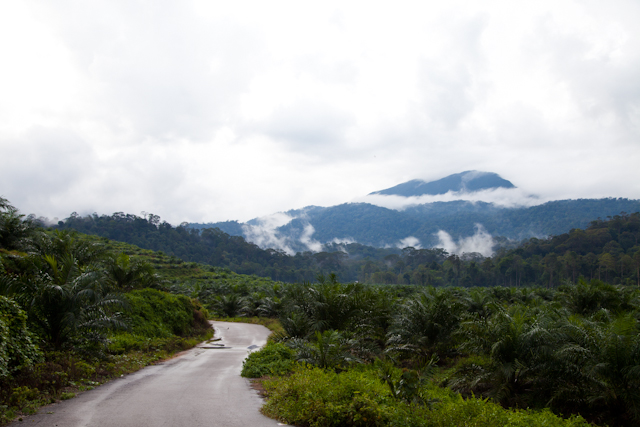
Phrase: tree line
x=606 y=249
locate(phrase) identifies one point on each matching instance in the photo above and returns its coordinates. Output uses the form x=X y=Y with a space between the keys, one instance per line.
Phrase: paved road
x=202 y=387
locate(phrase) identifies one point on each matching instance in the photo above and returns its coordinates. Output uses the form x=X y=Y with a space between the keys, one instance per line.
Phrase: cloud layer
x=503 y=197
x=209 y=111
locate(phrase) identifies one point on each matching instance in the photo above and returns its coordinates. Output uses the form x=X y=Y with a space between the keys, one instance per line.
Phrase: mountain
x=464 y=182
x=443 y=223
x=308 y=229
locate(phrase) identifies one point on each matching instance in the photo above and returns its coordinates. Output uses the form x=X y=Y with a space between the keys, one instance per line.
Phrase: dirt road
x=202 y=387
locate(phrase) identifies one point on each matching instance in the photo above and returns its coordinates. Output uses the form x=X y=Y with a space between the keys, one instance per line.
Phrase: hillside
x=382 y=227
x=607 y=248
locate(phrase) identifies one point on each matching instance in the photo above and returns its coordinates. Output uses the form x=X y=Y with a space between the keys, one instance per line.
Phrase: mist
x=410 y=241
x=263 y=232
x=502 y=197
x=481 y=242
x=306 y=239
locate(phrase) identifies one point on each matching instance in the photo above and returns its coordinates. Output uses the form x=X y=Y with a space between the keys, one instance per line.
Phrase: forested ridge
x=606 y=249
x=380 y=227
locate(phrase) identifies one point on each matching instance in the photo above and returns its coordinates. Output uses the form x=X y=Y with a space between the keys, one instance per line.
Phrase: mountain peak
x=464 y=182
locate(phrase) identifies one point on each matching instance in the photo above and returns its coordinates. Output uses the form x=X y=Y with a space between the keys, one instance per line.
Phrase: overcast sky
x=209 y=110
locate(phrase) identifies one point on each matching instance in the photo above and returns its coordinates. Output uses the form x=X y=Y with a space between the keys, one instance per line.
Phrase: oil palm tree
x=15 y=228
x=425 y=324
x=328 y=350
x=124 y=274
x=63 y=289
x=517 y=342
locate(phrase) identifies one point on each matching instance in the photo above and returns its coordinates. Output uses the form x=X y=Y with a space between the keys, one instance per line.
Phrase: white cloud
x=503 y=197
x=410 y=241
x=264 y=232
x=306 y=239
x=209 y=111
x=481 y=242
x=343 y=241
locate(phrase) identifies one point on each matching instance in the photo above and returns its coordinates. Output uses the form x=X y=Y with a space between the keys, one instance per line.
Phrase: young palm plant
x=329 y=350
x=425 y=324
x=517 y=342
x=66 y=298
x=124 y=274
x=597 y=369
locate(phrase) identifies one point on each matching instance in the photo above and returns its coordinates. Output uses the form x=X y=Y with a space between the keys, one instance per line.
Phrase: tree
x=425 y=324
x=15 y=229
x=607 y=261
x=123 y=274
x=17 y=347
x=517 y=341
x=329 y=350
x=64 y=291
x=636 y=262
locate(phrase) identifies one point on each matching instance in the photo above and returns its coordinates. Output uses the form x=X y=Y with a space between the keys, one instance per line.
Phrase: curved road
x=201 y=387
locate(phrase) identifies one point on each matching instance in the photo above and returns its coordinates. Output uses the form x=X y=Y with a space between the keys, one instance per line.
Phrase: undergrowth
x=314 y=397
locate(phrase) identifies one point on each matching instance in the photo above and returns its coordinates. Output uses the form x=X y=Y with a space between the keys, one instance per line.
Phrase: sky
x=206 y=111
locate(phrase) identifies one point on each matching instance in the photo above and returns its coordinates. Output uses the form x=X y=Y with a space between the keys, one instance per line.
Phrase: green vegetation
x=17 y=348
x=378 y=226
x=317 y=397
x=75 y=313
x=416 y=353
x=273 y=359
x=607 y=250
x=571 y=350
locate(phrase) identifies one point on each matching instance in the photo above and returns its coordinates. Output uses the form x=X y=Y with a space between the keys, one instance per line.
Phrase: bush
x=314 y=397
x=17 y=349
x=318 y=398
x=274 y=359
x=157 y=314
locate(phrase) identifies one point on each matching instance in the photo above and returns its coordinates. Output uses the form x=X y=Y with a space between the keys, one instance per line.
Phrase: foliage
x=316 y=397
x=605 y=249
x=124 y=274
x=425 y=324
x=273 y=360
x=157 y=314
x=62 y=290
x=328 y=349
x=17 y=348
x=15 y=229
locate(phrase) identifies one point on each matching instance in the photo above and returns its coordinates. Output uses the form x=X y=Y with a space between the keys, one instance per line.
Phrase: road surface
x=201 y=387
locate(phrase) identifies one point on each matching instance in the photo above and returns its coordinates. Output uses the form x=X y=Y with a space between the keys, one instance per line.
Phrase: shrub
x=273 y=359
x=314 y=397
x=17 y=349
x=157 y=314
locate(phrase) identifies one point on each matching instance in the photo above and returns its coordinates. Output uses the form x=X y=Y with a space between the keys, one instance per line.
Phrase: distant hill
x=382 y=227
x=606 y=249
x=464 y=182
